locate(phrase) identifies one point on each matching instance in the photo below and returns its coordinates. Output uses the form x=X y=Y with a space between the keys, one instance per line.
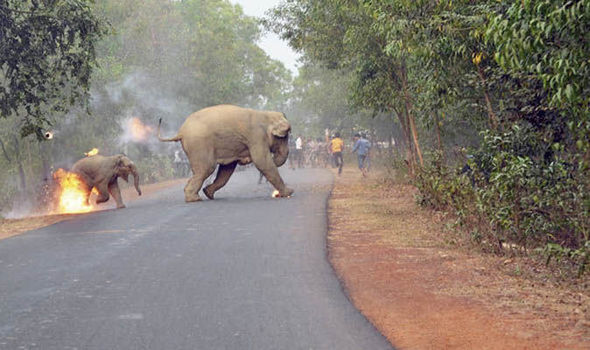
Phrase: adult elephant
x=102 y=172
x=228 y=135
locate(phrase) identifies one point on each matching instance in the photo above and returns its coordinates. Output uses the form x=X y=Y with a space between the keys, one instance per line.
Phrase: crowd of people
x=309 y=152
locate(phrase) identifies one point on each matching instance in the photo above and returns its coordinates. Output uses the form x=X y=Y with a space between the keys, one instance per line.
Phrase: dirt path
x=422 y=294
x=10 y=227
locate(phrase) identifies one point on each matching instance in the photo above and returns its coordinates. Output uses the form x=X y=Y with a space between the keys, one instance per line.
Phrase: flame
x=71 y=194
x=92 y=152
x=275 y=194
x=137 y=130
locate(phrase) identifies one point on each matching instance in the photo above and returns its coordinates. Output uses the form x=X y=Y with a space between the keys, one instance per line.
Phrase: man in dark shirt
x=362 y=146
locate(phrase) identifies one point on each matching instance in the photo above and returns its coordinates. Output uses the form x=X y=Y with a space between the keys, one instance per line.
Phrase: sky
x=274 y=47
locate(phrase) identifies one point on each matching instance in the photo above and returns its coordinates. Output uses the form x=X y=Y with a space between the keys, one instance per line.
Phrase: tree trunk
x=491 y=115
x=438 y=135
x=390 y=142
x=410 y=154
x=19 y=162
x=45 y=163
x=411 y=120
x=4 y=151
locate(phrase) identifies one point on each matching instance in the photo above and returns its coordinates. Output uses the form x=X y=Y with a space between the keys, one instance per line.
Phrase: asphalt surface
x=244 y=271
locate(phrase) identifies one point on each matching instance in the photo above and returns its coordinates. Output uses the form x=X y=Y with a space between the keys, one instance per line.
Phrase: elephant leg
x=87 y=196
x=262 y=158
x=192 y=188
x=223 y=174
x=116 y=193
x=103 y=193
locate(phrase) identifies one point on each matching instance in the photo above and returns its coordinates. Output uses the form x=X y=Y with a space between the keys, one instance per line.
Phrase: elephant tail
x=172 y=139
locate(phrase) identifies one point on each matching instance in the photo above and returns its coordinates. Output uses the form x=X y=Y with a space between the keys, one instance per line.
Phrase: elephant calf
x=102 y=172
x=228 y=135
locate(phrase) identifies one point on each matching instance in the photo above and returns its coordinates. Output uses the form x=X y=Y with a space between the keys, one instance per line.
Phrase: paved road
x=242 y=272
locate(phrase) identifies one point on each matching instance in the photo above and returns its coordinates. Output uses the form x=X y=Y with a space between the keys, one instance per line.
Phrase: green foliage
x=440 y=187
x=47 y=52
x=509 y=79
x=530 y=195
x=201 y=53
x=547 y=39
x=516 y=197
x=162 y=59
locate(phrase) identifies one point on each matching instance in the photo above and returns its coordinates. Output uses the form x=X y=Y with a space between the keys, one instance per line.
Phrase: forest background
x=482 y=105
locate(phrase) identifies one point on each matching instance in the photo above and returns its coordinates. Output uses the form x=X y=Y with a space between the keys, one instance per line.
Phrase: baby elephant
x=101 y=172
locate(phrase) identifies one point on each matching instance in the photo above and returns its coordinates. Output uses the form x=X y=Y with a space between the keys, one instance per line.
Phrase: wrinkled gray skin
x=102 y=172
x=226 y=135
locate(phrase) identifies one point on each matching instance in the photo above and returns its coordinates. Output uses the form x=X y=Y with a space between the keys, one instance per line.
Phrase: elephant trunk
x=281 y=153
x=135 y=178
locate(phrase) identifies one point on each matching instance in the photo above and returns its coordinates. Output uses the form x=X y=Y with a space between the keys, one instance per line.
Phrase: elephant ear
x=119 y=164
x=280 y=127
x=120 y=161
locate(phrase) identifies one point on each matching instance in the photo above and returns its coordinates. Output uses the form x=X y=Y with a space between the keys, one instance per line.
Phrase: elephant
x=228 y=135
x=101 y=172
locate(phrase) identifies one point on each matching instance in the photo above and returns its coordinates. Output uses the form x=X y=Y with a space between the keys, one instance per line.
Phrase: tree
x=509 y=79
x=341 y=34
x=47 y=52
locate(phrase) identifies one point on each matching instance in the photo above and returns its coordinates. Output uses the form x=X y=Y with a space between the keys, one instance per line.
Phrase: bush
x=442 y=187
x=519 y=193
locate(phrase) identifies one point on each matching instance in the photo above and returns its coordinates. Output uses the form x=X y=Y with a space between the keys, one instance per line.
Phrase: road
x=244 y=271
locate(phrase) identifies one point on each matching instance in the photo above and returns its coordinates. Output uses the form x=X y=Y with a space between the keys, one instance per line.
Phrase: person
x=362 y=146
x=321 y=153
x=299 y=151
x=292 y=154
x=310 y=158
x=178 y=164
x=336 y=147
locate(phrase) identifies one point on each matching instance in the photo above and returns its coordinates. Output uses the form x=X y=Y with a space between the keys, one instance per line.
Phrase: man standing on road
x=336 y=147
x=178 y=171
x=299 y=151
x=362 y=146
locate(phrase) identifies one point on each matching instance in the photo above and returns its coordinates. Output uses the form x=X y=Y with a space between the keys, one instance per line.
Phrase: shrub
x=520 y=193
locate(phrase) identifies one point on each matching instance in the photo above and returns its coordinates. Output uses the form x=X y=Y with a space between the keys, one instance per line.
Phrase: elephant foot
x=192 y=198
x=287 y=192
x=208 y=192
x=121 y=206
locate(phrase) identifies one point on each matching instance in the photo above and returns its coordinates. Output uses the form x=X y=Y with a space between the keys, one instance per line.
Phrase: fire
x=137 y=130
x=71 y=195
x=92 y=152
x=276 y=194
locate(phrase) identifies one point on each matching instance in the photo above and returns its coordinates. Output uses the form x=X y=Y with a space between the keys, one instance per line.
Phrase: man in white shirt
x=299 y=151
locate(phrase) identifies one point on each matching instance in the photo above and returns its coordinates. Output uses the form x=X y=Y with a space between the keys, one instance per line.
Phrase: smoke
x=20 y=209
x=24 y=204
x=147 y=98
